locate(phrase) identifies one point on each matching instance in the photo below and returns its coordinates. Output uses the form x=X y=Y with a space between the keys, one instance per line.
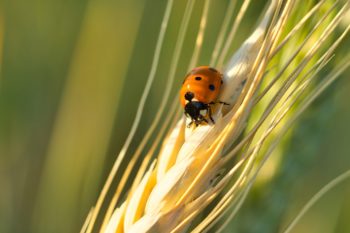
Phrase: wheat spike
x=210 y=164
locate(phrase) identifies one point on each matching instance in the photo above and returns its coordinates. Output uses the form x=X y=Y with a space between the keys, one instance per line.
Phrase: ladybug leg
x=220 y=102
x=201 y=119
x=190 y=124
x=210 y=113
x=197 y=123
x=192 y=120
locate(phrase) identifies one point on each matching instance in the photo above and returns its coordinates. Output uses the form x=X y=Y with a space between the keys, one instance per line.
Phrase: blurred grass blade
x=232 y=33
x=85 y=117
x=200 y=35
x=223 y=31
x=325 y=189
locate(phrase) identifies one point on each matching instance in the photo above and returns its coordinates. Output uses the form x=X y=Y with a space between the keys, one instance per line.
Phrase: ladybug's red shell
x=204 y=82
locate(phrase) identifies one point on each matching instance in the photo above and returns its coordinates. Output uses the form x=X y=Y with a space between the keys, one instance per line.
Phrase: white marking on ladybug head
x=193 y=100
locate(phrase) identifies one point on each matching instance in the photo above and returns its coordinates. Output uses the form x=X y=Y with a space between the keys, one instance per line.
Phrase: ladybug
x=199 y=92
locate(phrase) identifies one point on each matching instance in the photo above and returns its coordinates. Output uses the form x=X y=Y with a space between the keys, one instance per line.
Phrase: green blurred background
x=72 y=73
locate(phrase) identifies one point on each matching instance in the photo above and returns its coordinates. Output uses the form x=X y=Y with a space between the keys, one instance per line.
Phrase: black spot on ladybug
x=198 y=78
x=221 y=82
x=189 y=96
x=211 y=87
x=243 y=82
x=212 y=69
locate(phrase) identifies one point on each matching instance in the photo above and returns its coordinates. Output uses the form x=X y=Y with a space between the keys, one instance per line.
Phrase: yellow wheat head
x=201 y=175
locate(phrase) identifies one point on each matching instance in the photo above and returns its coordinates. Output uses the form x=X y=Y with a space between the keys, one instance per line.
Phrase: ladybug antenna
x=189 y=96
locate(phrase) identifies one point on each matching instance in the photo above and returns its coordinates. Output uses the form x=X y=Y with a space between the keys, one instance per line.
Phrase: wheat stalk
x=208 y=164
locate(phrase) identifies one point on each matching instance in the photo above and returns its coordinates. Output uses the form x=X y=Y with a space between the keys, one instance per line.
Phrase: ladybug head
x=189 y=96
x=196 y=110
